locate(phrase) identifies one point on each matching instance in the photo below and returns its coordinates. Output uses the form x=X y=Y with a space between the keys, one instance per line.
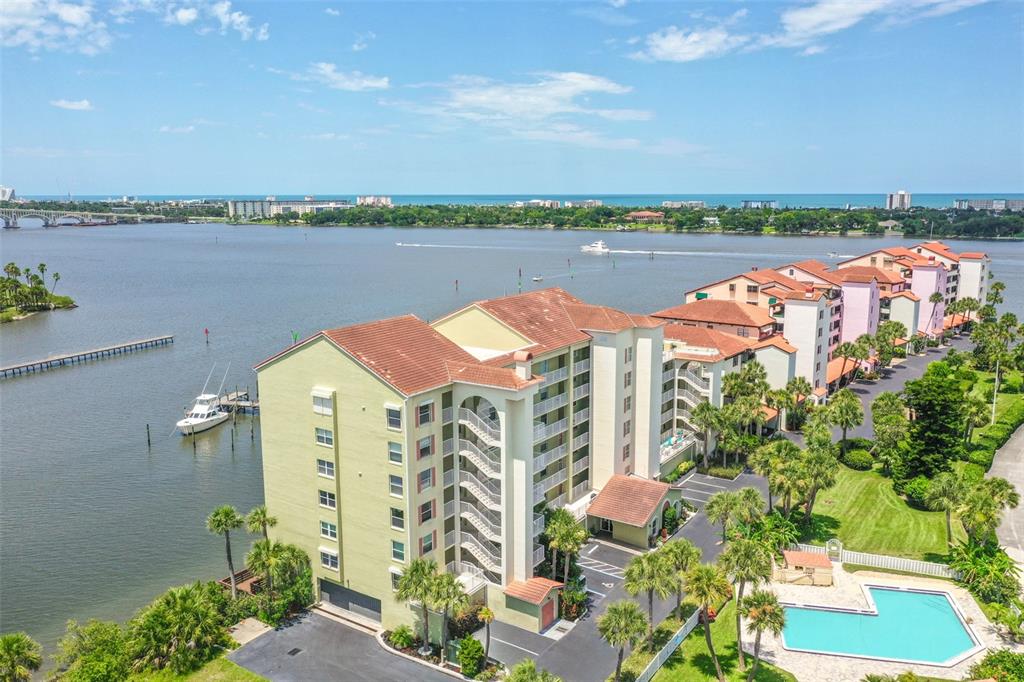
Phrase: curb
x=379 y=636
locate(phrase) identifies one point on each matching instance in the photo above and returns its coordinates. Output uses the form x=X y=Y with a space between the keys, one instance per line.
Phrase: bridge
x=10 y=216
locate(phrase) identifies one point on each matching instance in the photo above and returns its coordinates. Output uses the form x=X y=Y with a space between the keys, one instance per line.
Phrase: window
x=323 y=405
x=424 y=413
x=425 y=447
x=328 y=530
x=627 y=404
x=324 y=437
x=395 y=483
x=395 y=577
x=629 y=354
x=425 y=480
x=873 y=260
x=819 y=332
x=742 y=331
x=627 y=380
x=329 y=560
x=735 y=360
x=427 y=544
x=821 y=314
x=394 y=418
x=325 y=468
x=626 y=427
x=394 y=452
x=625 y=451
x=328 y=500
x=732 y=288
x=397 y=518
x=426 y=511
x=752 y=289
x=397 y=550
x=817 y=367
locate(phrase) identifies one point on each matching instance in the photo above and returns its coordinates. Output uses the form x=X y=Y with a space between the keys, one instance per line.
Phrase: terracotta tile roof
x=604 y=319
x=881 y=275
x=906 y=293
x=645 y=214
x=766 y=276
x=940 y=249
x=769 y=413
x=777 y=292
x=534 y=590
x=804 y=295
x=628 y=499
x=973 y=255
x=485 y=375
x=809 y=559
x=859 y=278
x=834 y=371
x=815 y=268
x=778 y=341
x=539 y=316
x=727 y=345
x=717 y=311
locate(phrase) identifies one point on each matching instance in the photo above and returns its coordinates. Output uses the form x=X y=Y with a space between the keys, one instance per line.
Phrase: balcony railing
x=559 y=501
x=472 y=577
x=544 y=459
x=555 y=376
x=447 y=414
x=581 y=366
x=580 y=464
x=538 y=524
x=543 y=431
x=538 y=554
x=668 y=375
x=580 y=489
x=548 y=483
x=668 y=395
x=448 y=477
x=449 y=509
x=581 y=391
x=485 y=552
x=580 y=416
x=691 y=397
x=581 y=440
x=484 y=428
x=698 y=380
x=667 y=414
x=486 y=460
x=487 y=522
x=552 y=403
x=448 y=447
x=670 y=451
x=487 y=492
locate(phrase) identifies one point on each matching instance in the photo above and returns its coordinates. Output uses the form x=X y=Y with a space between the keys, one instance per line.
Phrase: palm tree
x=526 y=671
x=20 y=656
x=721 y=508
x=846 y=350
x=56 y=278
x=415 y=585
x=820 y=468
x=448 y=596
x=889 y=331
x=708 y=586
x=557 y=520
x=746 y=561
x=845 y=411
x=975 y=414
x=258 y=521
x=768 y=456
x=276 y=562
x=180 y=630
x=789 y=481
x=622 y=625
x=969 y=306
x=749 y=505
x=572 y=535
x=681 y=555
x=650 y=573
x=764 y=613
x=935 y=299
x=222 y=521
x=946 y=493
x=799 y=388
x=486 y=617
x=708 y=419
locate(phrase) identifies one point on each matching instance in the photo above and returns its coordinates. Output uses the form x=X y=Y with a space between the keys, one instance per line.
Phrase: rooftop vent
x=294 y=651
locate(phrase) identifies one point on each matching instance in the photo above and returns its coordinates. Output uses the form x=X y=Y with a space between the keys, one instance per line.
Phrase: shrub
x=861 y=460
x=465 y=622
x=572 y=601
x=670 y=519
x=971 y=473
x=859 y=444
x=987 y=571
x=94 y=652
x=982 y=458
x=915 y=490
x=679 y=471
x=729 y=472
x=182 y=614
x=1002 y=665
x=471 y=654
x=402 y=637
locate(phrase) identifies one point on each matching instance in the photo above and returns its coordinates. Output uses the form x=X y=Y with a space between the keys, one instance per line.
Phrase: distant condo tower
x=760 y=203
x=898 y=201
x=374 y=201
x=6 y=193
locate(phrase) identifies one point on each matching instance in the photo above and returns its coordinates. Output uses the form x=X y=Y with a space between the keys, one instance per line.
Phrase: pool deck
x=848 y=592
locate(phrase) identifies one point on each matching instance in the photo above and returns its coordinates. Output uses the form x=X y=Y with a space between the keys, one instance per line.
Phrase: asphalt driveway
x=1009 y=464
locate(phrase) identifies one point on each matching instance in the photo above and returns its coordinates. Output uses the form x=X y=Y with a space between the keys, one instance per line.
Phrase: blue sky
x=206 y=96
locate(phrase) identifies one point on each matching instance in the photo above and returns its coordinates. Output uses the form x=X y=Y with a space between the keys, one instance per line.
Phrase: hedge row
x=992 y=437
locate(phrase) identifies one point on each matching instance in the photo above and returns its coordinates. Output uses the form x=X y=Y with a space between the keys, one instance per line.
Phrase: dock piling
x=149 y=443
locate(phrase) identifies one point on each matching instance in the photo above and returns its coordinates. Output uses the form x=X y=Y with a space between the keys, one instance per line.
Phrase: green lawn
x=218 y=670
x=863 y=511
x=691 y=662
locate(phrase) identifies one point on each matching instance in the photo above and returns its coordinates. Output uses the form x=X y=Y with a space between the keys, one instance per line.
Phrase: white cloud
x=72 y=104
x=363 y=41
x=327 y=137
x=673 y=44
x=618 y=3
x=183 y=16
x=811 y=50
x=237 y=21
x=327 y=74
x=333 y=12
x=177 y=129
x=609 y=16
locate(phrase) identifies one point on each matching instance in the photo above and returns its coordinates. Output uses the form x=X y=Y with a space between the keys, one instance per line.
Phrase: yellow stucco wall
x=474 y=328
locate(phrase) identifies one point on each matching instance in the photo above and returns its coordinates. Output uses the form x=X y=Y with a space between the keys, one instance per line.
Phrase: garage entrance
x=340 y=597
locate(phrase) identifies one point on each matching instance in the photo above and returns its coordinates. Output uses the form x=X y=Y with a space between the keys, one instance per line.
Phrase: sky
x=611 y=96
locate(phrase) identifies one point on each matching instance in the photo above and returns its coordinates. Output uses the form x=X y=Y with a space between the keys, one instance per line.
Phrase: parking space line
x=602 y=595
x=515 y=646
x=694 y=499
x=709 y=485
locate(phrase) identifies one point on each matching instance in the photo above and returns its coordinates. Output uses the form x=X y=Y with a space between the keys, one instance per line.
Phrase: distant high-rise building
x=682 y=204
x=990 y=204
x=897 y=201
x=374 y=201
x=760 y=203
x=6 y=193
x=584 y=203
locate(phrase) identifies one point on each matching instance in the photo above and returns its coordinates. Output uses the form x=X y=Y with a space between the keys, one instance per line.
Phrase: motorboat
x=538 y=278
x=204 y=415
x=598 y=247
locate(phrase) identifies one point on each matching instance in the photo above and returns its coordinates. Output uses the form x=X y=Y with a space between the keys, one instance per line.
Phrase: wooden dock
x=76 y=358
x=238 y=401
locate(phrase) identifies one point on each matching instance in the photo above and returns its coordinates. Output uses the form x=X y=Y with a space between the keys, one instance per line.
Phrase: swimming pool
x=909 y=626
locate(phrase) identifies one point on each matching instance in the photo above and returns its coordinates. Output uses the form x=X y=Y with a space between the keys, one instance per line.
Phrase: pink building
x=927 y=279
x=860 y=305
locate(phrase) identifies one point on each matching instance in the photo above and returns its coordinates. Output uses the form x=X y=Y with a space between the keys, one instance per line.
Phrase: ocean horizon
x=810 y=200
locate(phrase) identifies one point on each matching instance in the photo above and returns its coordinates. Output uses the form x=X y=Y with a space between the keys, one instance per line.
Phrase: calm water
x=94 y=524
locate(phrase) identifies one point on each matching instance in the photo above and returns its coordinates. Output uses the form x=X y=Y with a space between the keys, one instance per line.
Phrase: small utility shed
x=629 y=508
x=531 y=604
x=804 y=568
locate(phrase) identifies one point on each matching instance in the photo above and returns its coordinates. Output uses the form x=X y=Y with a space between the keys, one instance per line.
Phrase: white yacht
x=598 y=247
x=205 y=414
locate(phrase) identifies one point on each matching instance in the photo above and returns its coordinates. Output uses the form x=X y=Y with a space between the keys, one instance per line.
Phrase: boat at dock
x=598 y=247
x=206 y=412
x=538 y=278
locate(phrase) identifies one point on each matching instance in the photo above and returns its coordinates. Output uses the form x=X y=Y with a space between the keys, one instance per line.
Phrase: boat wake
x=455 y=246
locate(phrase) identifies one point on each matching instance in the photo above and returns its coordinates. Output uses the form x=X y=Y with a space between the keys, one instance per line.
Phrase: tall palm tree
x=799 y=388
x=969 y=306
x=845 y=411
x=746 y=561
x=448 y=596
x=820 y=469
x=572 y=535
x=975 y=414
x=681 y=555
x=222 y=521
x=749 y=505
x=789 y=481
x=258 y=521
x=889 y=331
x=708 y=419
x=653 y=574
x=935 y=299
x=708 y=586
x=721 y=508
x=20 y=656
x=622 y=625
x=764 y=613
x=770 y=455
x=179 y=631
x=277 y=562
x=946 y=492
x=557 y=520
x=415 y=585
x=847 y=351
x=486 y=617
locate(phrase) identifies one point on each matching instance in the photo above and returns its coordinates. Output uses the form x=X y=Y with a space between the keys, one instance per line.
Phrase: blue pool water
x=910 y=626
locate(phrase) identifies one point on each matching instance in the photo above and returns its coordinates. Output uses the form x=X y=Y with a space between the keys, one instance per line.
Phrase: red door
x=547 y=613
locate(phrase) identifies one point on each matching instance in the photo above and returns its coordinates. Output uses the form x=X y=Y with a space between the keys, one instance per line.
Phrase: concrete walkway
x=1009 y=464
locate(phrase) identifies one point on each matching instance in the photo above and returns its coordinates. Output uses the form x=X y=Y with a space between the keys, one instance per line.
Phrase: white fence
x=892 y=563
x=666 y=651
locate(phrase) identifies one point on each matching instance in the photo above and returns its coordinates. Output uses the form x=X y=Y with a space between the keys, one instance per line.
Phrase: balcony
x=538 y=524
x=553 y=403
x=671 y=450
x=580 y=464
x=559 y=501
x=485 y=429
x=448 y=447
x=488 y=492
x=449 y=509
x=538 y=554
x=668 y=375
x=698 y=380
x=548 y=483
x=668 y=395
x=488 y=523
x=447 y=415
x=581 y=440
x=471 y=577
x=581 y=366
x=555 y=376
x=487 y=460
x=580 y=416
x=544 y=459
x=448 y=478
x=580 y=489
x=667 y=414
x=543 y=431
x=581 y=391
